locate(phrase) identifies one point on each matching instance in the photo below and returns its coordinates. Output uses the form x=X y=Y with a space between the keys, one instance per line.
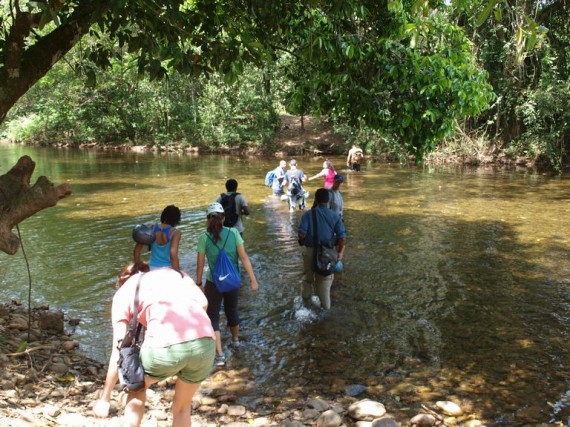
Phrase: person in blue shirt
x=279 y=171
x=164 y=249
x=329 y=228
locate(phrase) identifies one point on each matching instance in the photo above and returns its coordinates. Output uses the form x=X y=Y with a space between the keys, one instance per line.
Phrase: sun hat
x=143 y=234
x=215 y=208
x=339 y=178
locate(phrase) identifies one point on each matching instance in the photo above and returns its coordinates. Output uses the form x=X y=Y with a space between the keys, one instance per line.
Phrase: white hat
x=215 y=208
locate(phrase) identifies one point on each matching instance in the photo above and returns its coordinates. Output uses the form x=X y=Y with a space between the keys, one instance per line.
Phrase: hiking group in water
x=181 y=318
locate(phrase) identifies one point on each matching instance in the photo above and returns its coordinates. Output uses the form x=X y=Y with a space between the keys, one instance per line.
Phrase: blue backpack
x=225 y=274
x=269 y=177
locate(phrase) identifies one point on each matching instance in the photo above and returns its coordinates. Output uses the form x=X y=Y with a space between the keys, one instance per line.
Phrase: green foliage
x=119 y=108
x=546 y=116
x=409 y=73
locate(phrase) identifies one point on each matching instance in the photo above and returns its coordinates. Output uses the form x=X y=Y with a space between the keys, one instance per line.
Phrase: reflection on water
x=455 y=281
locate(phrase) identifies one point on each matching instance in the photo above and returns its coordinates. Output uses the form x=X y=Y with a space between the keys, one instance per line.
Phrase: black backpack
x=231 y=214
x=295 y=187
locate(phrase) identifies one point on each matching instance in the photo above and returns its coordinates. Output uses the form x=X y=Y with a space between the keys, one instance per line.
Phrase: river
x=456 y=281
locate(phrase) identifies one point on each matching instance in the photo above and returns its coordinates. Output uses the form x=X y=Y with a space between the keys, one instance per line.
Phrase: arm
x=244 y=207
x=101 y=407
x=200 y=268
x=321 y=173
x=137 y=253
x=248 y=268
x=174 y=245
x=348 y=158
x=341 y=244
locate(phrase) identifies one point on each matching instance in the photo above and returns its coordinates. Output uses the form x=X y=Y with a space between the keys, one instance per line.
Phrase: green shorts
x=191 y=361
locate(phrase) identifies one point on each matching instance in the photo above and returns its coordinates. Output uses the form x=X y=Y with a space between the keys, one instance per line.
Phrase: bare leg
x=182 y=403
x=235 y=332
x=134 y=410
x=218 y=343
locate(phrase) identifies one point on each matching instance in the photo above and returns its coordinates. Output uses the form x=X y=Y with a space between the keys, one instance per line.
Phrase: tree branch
x=19 y=201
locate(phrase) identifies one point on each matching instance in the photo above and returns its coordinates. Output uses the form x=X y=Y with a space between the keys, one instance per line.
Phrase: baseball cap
x=339 y=178
x=215 y=208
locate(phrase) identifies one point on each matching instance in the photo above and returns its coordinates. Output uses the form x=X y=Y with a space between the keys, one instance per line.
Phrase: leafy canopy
x=398 y=66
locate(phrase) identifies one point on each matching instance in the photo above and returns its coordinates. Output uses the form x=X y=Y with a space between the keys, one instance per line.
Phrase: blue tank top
x=160 y=254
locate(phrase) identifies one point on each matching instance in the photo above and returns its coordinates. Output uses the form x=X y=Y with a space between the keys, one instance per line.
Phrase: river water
x=456 y=281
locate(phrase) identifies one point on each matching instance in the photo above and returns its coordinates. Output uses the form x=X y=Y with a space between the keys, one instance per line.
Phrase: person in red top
x=328 y=172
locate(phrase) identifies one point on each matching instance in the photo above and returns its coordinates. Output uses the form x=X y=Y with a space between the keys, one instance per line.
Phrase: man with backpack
x=234 y=204
x=294 y=179
x=277 y=176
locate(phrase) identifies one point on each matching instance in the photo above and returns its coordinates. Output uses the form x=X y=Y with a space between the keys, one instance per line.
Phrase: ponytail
x=215 y=226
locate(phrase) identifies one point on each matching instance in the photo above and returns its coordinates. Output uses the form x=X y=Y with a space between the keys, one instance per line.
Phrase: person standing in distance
x=209 y=245
x=277 y=184
x=330 y=229
x=328 y=173
x=354 y=158
x=294 y=179
x=237 y=208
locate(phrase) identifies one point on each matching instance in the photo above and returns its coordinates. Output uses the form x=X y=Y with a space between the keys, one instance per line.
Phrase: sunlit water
x=456 y=282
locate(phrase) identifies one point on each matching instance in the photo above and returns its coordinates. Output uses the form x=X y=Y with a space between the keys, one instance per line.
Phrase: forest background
x=469 y=79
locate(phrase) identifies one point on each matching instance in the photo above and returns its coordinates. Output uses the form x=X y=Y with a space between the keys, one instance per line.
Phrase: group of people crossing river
x=181 y=317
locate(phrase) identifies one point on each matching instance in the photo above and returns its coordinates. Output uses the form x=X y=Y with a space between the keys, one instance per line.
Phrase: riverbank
x=307 y=136
x=48 y=382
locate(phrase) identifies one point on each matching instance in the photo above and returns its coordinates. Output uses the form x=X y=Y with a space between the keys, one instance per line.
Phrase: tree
x=19 y=201
x=397 y=65
x=188 y=36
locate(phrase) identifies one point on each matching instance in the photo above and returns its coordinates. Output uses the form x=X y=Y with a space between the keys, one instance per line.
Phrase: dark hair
x=170 y=215
x=322 y=196
x=231 y=185
x=215 y=225
x=130 y=270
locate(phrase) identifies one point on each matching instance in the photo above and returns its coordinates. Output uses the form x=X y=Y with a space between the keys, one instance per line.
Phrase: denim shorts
x=191 y=361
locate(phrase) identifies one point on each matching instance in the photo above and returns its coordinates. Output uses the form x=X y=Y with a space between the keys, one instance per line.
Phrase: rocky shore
x=48 y=382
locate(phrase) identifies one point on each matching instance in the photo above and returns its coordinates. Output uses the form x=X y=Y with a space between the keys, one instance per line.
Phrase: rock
x=51 y=321
x=58 y=368
x=310 y=414
x=236 y=411
x=366 y=410
x=385 y=422
x=354 y=390
x=69 y=345
x=288 y=423
x=52 y=411
x=449 y=408
x=423 y=420
x=329 y=419
x=318 y=404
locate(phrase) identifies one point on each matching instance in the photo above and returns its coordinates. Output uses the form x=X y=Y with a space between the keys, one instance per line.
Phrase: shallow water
x=456 y=281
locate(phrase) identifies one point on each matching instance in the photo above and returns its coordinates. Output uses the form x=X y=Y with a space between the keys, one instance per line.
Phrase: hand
x=101 y=408
x=254 y=285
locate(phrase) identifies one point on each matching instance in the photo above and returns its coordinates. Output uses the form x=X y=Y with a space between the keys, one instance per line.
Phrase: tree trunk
x=19 y=201
x=24 y=65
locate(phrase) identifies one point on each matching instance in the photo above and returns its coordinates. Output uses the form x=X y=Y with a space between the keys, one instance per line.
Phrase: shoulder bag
x=131 y=371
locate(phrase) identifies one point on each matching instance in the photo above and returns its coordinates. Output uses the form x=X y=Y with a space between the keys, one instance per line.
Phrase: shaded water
x=456 y=282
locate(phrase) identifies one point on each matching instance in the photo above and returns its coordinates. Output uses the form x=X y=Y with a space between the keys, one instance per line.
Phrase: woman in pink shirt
x=328 y=172
x=179 y=339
